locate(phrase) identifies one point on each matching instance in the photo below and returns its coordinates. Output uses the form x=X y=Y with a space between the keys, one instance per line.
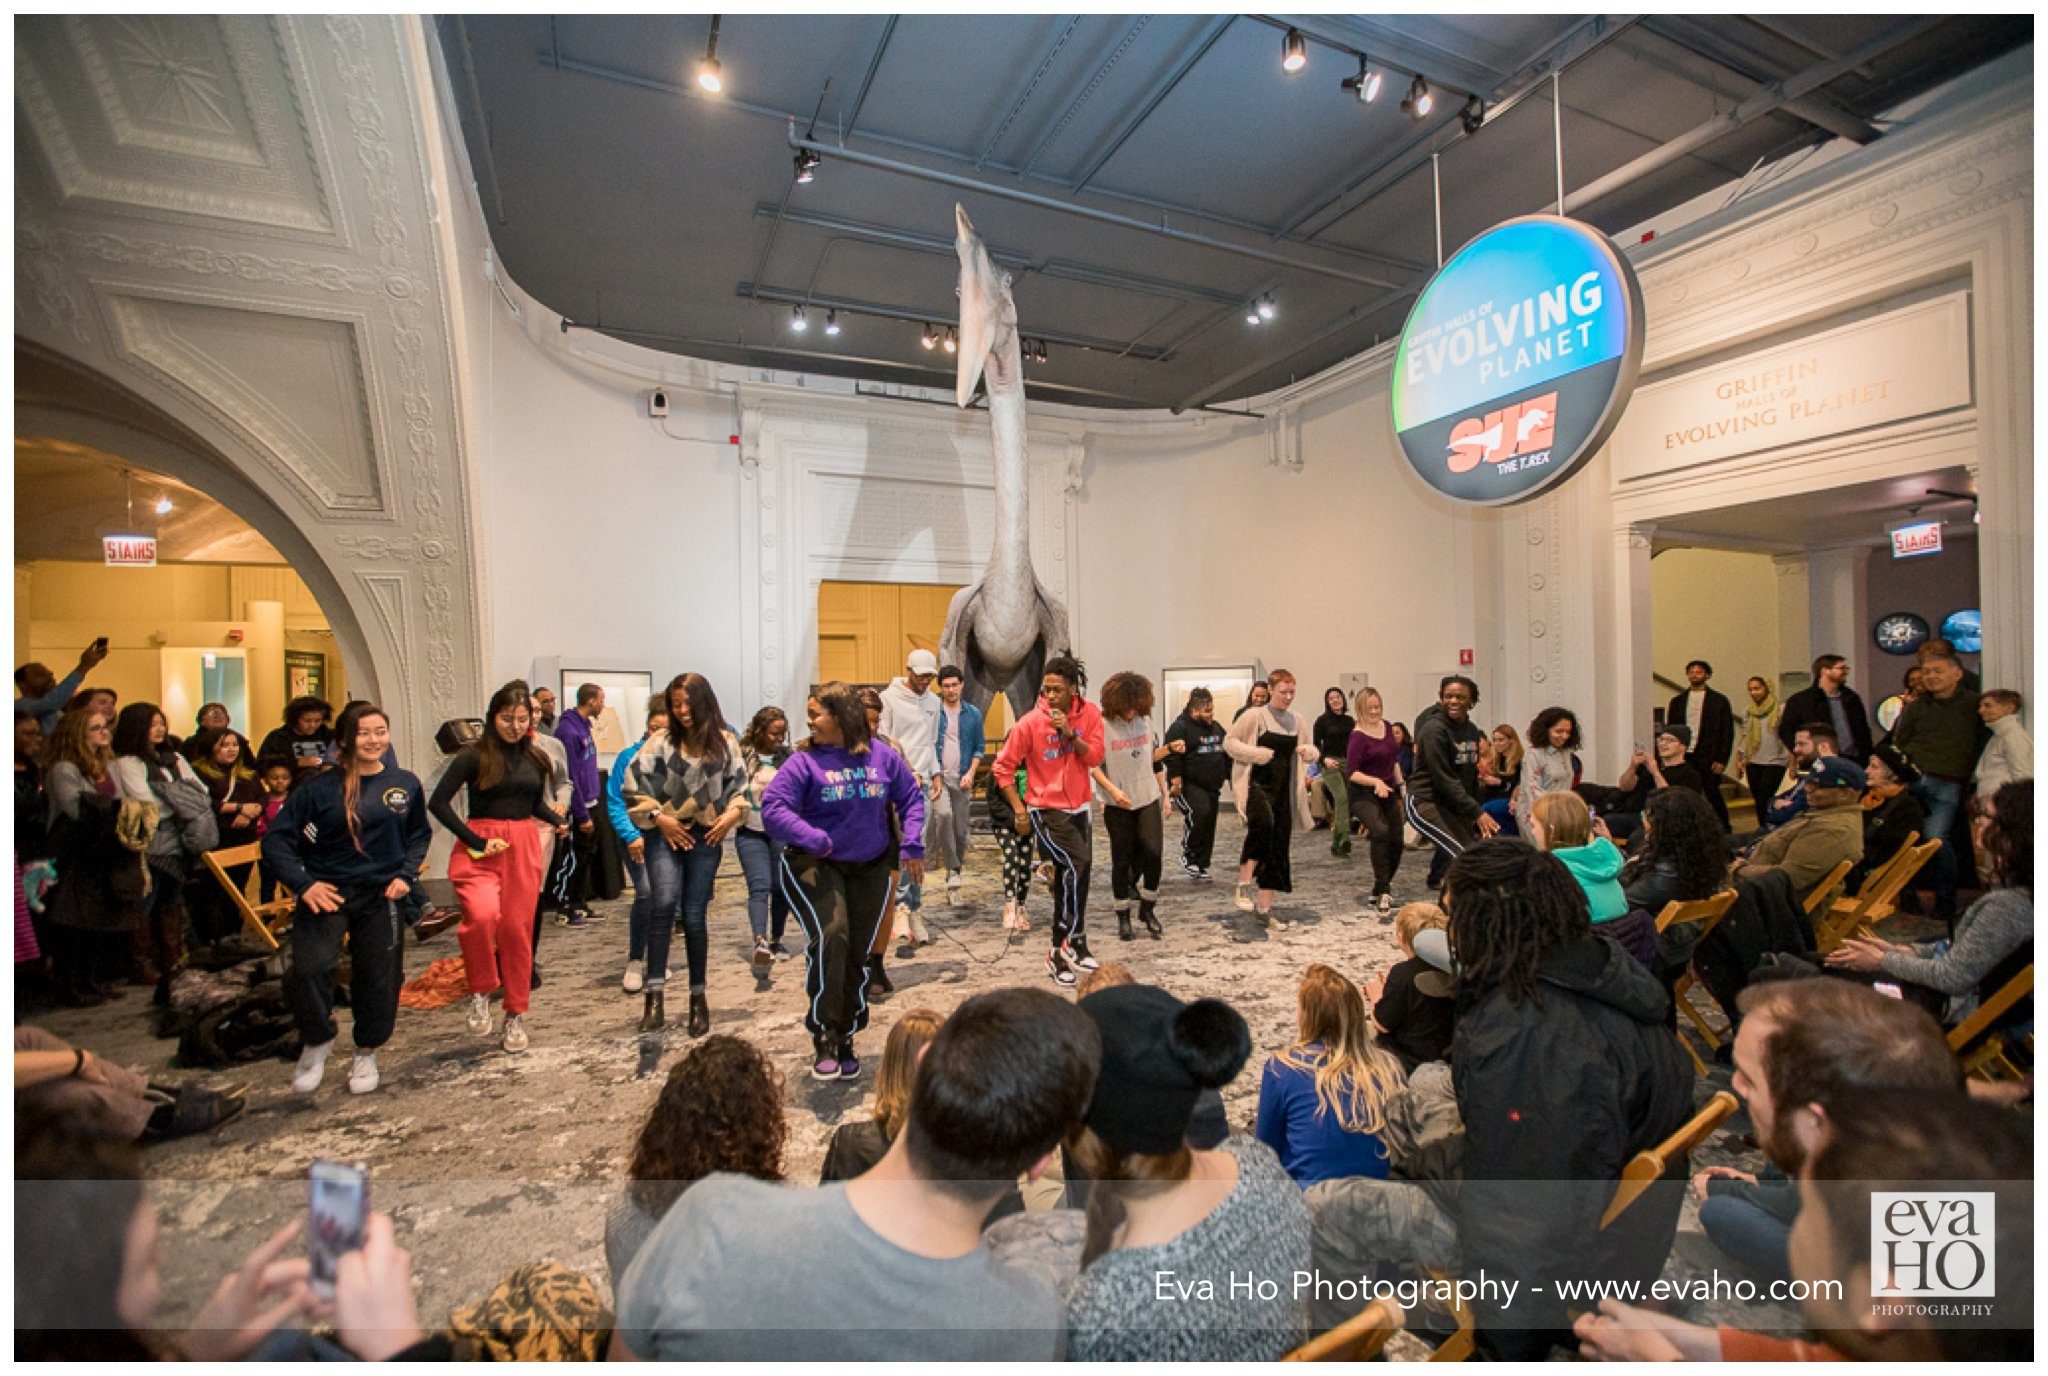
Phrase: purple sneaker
x=824 y=1065
x=849 y=1062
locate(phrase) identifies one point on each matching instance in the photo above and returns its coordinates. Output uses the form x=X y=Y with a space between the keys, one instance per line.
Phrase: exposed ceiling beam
x=1153 y=98
x=1580 y=42
x=867 y=82
x=1777 y=28
x=883 y=234
x=1765 y=101
x=1103 y=217
x=790 y=296
x=1751 y=66
x=1030 y=89
x=1059 y=126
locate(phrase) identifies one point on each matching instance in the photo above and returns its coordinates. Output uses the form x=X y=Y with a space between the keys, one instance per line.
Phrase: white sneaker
x=479 y=1020
x=1386 y=905
x=312 y=1067
x=918 y=930
x=954 y=881
x=636 y=975
x=514 y=1039
x=362 y=1073
x=1243 y=900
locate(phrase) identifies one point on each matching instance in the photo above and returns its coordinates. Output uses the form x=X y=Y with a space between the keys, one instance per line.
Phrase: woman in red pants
x=497 y=864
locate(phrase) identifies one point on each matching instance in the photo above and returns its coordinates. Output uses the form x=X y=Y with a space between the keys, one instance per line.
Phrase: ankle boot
x=1123 y=924
x=878 y=979
x=700 y=1014
x=652 y=1016
x=1147 y=916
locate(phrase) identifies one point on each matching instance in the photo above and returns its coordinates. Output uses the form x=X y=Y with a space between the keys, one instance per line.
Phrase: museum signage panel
x=1892 y=367
x=1517 y=360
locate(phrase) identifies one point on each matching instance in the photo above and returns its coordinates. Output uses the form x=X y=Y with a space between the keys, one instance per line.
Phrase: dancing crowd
x=1036 y=1162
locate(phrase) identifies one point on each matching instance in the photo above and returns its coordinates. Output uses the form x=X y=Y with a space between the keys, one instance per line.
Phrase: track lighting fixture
x=1251 y=315
x=1266 y=308
x=1419 y=101
x=797 y=323
x=709 y=75
x=832 y=322
x=1041 y=351
x=952 y=343
x=930 y=339
x=1473 y=116
x=1293 y=52
x=1366 y=85
x=806 y=166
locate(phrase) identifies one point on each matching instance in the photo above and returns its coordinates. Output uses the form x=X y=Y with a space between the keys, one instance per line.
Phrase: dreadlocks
x=1510 y=906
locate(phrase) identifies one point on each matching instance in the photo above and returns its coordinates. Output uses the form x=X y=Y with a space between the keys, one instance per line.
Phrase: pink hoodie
x=1055 y=771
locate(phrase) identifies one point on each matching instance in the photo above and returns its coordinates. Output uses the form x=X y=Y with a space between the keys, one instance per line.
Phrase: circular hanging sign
x=1517 y=360
x=1965 y=631
x=1901 y=633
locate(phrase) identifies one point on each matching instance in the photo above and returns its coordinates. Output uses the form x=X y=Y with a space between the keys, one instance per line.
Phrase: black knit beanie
x=1158 y=1055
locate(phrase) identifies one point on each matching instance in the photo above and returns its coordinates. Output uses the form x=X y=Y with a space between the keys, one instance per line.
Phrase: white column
x=1836 y=598
x=1795 y=620
x=1629 y=672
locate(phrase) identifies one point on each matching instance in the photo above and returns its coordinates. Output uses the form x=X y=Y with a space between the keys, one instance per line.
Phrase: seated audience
x=856 y=1147
x=1562 y=824
x=1412 y=1007
x=1809 y=847
x=1993 y=939
x=306 y=738
x=1878 y=1142
x=1548 y=766
x=53 y=1077
x=1322 y=1100
x=1890 y=811
x=1805 y=1048
x=1680 y=857
x=1663 y=766
x=1810 y=744
x=889 y=1265
x=1157 y=1205
x=1500 y=777
x=96 y=1284
x=720 y=1110
x=2009 y=754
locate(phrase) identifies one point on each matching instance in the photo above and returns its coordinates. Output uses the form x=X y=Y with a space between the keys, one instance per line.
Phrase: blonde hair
x=1567 y=821
x=1104 y=976
x=1417 y=918
x=1353 y=1075
x=912 y=1033
x=1514 y=760
x=1358 y=700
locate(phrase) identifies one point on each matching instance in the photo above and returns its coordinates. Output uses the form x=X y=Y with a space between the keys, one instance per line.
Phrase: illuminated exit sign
x=1922 y=537
x=130 y=551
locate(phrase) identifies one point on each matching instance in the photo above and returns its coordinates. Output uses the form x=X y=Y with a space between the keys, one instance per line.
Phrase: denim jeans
x=681 y=882
x=759 y=858
x=1748 y=1234
x=1942 y=798
x=643 y=904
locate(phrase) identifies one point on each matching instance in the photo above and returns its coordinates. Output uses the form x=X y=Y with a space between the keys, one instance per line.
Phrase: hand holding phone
x=338 y=1210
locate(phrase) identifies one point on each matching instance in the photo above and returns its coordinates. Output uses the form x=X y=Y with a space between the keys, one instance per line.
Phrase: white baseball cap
x=923 y=662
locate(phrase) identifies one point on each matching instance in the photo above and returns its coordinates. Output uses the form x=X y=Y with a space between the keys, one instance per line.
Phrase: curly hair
x=2009 y=835
x=755 y=737
x=1068 y=668
x=1681 y=828
x=720 y=1110
x=1126 y=695
x=1539 y=729
x=1511 y=905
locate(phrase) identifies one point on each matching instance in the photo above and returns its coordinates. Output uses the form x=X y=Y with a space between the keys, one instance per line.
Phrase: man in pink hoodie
x=1057 y=743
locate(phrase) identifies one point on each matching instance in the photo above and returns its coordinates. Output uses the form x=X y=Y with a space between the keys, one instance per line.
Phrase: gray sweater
x=1993 y=928
x=1115 y=1312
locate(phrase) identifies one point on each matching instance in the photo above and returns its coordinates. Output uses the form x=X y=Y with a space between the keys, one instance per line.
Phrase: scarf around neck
x=1756 y=721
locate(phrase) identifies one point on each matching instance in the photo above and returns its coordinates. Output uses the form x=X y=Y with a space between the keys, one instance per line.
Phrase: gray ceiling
x=626 y=200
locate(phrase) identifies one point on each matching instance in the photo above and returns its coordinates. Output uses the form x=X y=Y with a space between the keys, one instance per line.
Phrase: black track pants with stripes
x=840 y=906
x=1063 y=838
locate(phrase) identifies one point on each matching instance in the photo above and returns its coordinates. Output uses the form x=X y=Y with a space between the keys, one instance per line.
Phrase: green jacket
x=1943 y=737
x=1809 y=847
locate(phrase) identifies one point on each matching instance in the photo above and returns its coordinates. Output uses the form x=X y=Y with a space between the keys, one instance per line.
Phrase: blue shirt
x=614 y=800
x=1305 y=1135
x=972 y=741
x=50 y=705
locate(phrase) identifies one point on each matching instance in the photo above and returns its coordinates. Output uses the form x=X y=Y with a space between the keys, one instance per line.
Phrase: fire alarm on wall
x=1464 y=659
x=657 y=403
x=234 y=635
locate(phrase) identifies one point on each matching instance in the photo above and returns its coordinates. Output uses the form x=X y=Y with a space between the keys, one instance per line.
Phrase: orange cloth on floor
x=437 y=986
x=1738 y=1345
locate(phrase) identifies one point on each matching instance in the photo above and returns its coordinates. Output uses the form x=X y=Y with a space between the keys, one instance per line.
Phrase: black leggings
x=1381 y=818
x=1134 y=848
x=840 y=906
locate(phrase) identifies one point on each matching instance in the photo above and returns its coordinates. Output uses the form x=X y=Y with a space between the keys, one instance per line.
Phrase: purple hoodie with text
x=829 y=803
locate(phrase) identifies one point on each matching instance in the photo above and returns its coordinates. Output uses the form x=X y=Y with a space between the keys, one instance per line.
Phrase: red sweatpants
x=498 y=896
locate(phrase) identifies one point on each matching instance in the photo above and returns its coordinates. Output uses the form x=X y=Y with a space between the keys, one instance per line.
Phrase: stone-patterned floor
x=488 y=1160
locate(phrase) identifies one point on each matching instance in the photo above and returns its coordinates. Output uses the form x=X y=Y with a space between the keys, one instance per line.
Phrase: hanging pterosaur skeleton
x=1004 y=626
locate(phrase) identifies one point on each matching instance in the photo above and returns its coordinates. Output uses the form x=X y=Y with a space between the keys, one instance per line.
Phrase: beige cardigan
x=1241 y=743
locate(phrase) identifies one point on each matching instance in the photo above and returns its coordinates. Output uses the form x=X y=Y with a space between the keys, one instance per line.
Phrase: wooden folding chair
x=1877 y=900
x=1358 y=1339
x=1708 y=912
x=1462 y=1341
x=1825 y=890
x=1990 y=1061
x=1646 y=1168
x=266 y=920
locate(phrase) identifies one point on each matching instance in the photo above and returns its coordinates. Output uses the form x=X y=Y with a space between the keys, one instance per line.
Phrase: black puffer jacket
x=1557 y=1093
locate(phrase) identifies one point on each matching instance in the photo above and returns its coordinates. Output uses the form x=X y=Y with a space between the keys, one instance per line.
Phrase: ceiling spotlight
x=163 y=506
x=797 y=323
x=1293 y=52
x=806 y=166
x=1366 y=85
x=930 y=340
x=1041 y=351
x=1266 y=308
x=1252 y=316
x=952 y=344
x=831 y=322
x=1419 y=101
x=1473 y=116
x=709 y=75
